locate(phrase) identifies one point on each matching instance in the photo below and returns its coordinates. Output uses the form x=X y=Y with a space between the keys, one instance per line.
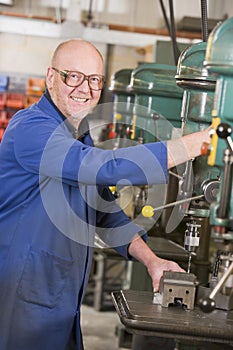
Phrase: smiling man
x=54 y=199
x=80 y=67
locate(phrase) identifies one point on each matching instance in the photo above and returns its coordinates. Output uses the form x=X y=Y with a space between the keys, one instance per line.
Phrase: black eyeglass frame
x=65 y=73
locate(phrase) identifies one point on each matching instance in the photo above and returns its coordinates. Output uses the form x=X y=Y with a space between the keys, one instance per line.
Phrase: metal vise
x=178 y=288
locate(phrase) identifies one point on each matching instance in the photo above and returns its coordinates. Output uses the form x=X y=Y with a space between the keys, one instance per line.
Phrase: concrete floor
x=99 y=329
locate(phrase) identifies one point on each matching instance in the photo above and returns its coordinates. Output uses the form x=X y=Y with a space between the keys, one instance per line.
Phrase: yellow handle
x=148 y=211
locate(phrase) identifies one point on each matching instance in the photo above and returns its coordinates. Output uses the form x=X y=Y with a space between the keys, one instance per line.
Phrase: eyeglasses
x=75 y=79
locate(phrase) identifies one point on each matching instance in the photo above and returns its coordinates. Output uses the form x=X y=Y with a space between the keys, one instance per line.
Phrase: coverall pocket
x=43 y=278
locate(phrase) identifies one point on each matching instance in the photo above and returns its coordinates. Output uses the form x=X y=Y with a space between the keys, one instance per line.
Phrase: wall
x=25 y=54
x=148 y=13
x=31 y=54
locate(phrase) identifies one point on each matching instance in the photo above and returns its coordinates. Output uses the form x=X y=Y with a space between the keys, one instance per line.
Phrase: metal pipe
x=204 y=21
x=226 y=185
x=221 y=282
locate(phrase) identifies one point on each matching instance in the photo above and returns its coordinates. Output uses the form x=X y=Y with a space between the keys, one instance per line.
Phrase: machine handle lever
x=208 y=304
x=148 y=210
x=181 y=201
x=224 y=132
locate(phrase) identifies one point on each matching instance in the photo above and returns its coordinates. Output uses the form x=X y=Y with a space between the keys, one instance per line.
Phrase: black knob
x=207 y=305
x=223 y=130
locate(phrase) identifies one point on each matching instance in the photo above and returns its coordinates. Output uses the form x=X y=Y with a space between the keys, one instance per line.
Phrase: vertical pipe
x=204 y=20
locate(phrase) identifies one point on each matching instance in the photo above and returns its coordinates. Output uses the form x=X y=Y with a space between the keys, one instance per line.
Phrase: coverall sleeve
x=113 y=225
x=46 y=147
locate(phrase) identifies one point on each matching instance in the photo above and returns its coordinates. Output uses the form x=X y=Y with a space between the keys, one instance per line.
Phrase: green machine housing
x=219 y=61
x=146 y=102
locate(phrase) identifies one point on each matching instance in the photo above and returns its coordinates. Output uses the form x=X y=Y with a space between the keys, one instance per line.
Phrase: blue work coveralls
x=54 y=198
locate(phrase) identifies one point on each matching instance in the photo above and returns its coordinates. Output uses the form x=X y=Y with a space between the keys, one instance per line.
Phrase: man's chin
x=80 y=114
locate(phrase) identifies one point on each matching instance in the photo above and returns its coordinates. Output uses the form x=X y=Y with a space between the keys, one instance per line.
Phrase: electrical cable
x=165 y=16
x=171 y=29
x=89 y=14
x=176 y=51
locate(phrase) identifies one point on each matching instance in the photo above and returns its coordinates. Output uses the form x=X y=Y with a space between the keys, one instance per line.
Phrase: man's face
x=75 y=102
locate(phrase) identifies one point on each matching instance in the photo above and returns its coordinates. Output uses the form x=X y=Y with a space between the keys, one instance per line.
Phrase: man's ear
x=49 y=77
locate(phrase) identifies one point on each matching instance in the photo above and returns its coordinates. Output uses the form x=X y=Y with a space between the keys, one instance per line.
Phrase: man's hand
x=156 y=268
x=155 y=265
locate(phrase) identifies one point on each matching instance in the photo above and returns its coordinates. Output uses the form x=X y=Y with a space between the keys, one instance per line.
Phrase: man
x=54 y=197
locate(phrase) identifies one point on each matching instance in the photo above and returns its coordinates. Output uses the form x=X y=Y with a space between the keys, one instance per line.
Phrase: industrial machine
x=198 y=183
x=219 y=61
x=200 y=209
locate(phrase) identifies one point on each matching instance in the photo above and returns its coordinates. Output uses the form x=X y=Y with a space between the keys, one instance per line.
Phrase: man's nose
x=85 y=85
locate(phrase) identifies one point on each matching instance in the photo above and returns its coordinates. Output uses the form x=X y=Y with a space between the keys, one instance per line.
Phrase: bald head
x=71 y=46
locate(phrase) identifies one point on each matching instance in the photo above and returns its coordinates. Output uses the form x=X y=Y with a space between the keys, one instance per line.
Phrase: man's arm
x=155 y=265
x=187 y=147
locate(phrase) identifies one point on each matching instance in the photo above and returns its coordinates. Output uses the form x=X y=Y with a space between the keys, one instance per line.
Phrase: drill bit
x=189 y=262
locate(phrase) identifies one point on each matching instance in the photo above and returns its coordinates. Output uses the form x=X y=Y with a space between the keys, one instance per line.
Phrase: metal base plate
x=141 y=316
